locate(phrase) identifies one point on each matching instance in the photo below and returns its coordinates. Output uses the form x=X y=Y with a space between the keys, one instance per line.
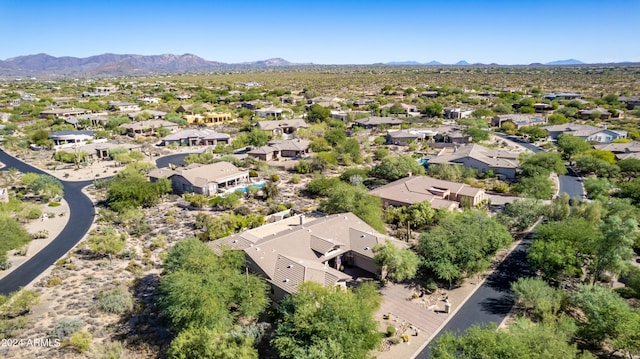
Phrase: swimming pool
x=243 y=189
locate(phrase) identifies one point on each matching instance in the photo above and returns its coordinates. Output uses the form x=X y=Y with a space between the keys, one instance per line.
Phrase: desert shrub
x=81 y=341
x=170 y=220
x=108 y=350
x=253 y=173
x=135 y=268
x=5 y=264
x=391 y=331
x=54 y=204
x=395 y=340
x=159 y=242
x=53 y=281
x=34 y=213
x=116 y=300
x=275 y=178
x=43 y=233
x=295 y=179
x=65 y=327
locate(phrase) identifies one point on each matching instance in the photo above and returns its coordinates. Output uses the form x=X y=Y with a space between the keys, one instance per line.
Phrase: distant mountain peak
x=462 y=63
x=565 y=62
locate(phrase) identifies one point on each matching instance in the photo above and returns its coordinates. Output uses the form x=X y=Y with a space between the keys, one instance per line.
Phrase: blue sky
x=328 y=32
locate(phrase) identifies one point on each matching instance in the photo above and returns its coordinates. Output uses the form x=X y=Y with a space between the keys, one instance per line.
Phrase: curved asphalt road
x=81 y=213
x=493 y=300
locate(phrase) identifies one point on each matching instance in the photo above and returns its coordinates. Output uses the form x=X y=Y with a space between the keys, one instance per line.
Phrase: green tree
x=571 y=145
x=106 y=242
x=432 y=109
x=558 y=250
x=629 y=168
x=597 y=187
x=557 y=119
x=344 y=197
x=540 y=187
x=395 y=263
x=540 y=300
x=318 y=113
x=13 y=235
x=523 y=339
x=392 y=168
x=477 y=134
x=323 y=322
x=541 y=164
x=521 y=214
x=612 y=249
x=257 y=137
x=462 y=244
x=199 y=342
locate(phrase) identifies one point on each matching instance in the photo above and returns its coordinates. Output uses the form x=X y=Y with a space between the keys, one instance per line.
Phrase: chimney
x=302 y=219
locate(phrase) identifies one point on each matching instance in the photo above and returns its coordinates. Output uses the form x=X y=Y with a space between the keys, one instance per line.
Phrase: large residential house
x=72 y=139
x=456 y=113
x=209 y=118
x=93 y=119
x=191 y=108
x=123 y=106
x=518 y=119
x=148 y=128
x=279 y=127
x=621 y=150
x=601 y=113
x=196 y=137
x=100 y=151
x=483 y=159
x=440 y=194
x=409 y=110
x=295 y=250
x=202 y=179
x=375 y=122
x=562 y=96
x=589 y=133
x=150 y=114
x=274 y=112
x=62 y=113
x=277 y=149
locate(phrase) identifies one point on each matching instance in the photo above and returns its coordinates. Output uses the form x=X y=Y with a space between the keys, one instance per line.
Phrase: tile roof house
x=276 y=149
x=439 y=135
x=599 y=112
x=456 y=113
x=589 y=133
x=72 y=139
x=483 y=159
x=440 y=194
x=295 y=250
x=209 y=118
x=518 y=119
x=203 y=179
x=270 y=111
x=621 y=150
x=100 y=151
x=278 y=127
x=124 y=106
x=374 y=122
x=148 y=128
x=156 y=115
x=196 y=137
x=61 y=113
x=94 y=119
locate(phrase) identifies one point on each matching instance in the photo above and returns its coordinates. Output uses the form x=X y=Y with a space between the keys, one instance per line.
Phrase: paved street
x=81 y=214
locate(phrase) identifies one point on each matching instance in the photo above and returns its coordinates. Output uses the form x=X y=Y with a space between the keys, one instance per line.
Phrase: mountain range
x=114 y=65
x=43 y=65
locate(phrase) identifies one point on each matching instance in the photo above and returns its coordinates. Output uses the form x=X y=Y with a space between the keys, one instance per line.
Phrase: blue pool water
x=244 y=189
